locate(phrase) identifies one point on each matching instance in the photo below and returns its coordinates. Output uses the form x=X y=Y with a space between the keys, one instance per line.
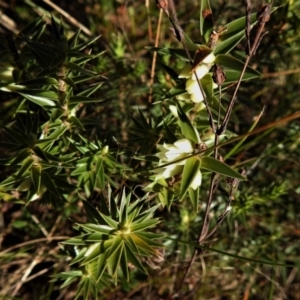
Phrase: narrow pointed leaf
x=83 y=99
x=206 y=20
x=110 y=221
x=140 y=243
x=32 y=27
x=143 y=225
x=27 y=163
x=97 y=228
x=124 y=264
x=74 y=67
x=39 y=81
x=42 y=101
x=100 y=173
x=234 y=33
x=36 y=177
x=187 y=129
x=214 y=165
x=114 y=260
x=92 y=253
x=21 y=157
x=92 y=213
x=134 y=260
x=194 y=196
x=86 y=44
x=101 y=265
x=178 y=53
x=190 y=171
x=234 y=64
x=48 y=183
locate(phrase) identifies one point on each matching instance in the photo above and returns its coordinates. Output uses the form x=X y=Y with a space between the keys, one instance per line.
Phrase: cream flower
x=209 y=59
x=197 y=181
x=193 y=89
x=192 y=86
x=173 y=152
x=201 y=71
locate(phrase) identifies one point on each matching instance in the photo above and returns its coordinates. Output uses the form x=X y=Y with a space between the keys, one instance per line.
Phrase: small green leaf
x=82 y=99
x=100 y=173
x=110 y=221
x=206 y=20
x=74 y=67
x=187 y=129
x=79 y=240
x=27 y=163
x=166 y=197
x=214 y=165
x=90 y=91
x=32 y=27
x=58 y=132
x=169 y=70
x=72 y=41
x=21 y=157
x=95 y=237
x=194 y=196
x=114 y=259
x=92 y=253
x=233 y=76
x=86 y=44
x=55 y=30
x=92 y=213
x=207 y=84
x=19 y=224
x=234 y=64
x=36 y=177
x=235 y=32
x=179 y=89
x=42 y=101
x=190 y=171
x=178 y=53
x=131 y=256
x=39 y=81
x=17 y=137
x=104 y=229
x=143 y=225
x=101 y=264
x=140 y=243
x=124 y=264
x=48 y=183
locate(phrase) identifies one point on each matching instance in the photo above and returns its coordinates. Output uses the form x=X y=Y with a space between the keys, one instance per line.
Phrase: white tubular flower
x=174 y=111
x=197 y=181
x=193 y=89
x=209 y=59
x=185 y=72
x=201 y=70
x=173 y=152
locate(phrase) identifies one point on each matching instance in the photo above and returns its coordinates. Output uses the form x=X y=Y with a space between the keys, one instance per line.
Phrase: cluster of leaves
x=44 y=141
x=48 y=156
x=51 y=156
x=112 y=239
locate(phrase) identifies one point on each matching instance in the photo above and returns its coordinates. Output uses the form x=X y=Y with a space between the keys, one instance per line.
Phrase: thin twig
x=235 y=139
x=72 y=20
x=180 y=36
x=54 y=238
x=148 y=21
x=263 y=16
x=154 y=58
x=8 y=23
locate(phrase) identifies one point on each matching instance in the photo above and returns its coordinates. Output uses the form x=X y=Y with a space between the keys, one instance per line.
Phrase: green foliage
x=89 y=146
x=111 y=241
